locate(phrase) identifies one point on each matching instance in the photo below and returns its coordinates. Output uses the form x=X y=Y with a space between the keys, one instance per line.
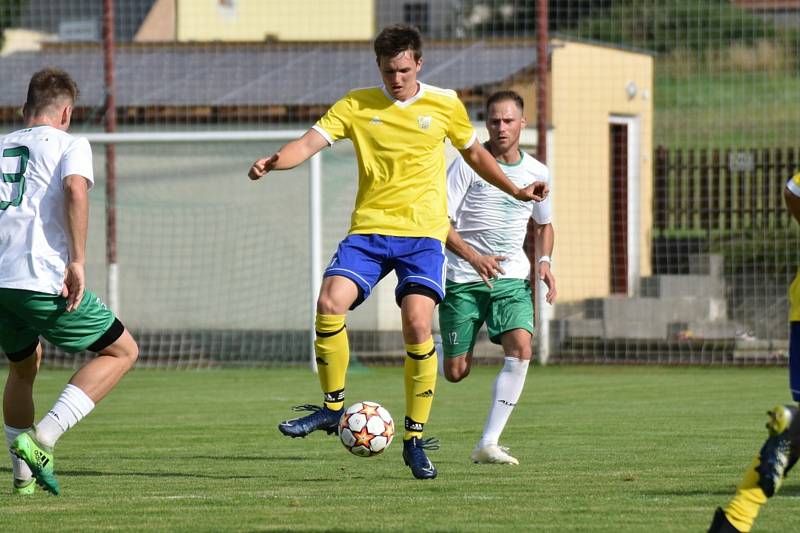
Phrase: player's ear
x=66 y=115
x=419 y=64
x=25 y=111
x=524 y=121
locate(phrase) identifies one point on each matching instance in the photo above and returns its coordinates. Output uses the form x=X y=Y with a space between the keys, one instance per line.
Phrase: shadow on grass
x=788 y=489
x=97 y=473
x=716 y=492
x=274 y=458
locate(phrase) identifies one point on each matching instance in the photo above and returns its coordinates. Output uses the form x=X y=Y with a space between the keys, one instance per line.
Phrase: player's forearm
x=77 y=215
x=457 y=245
x=292 y=154
x=298 y=151
x=485 y=165
x=545 y=239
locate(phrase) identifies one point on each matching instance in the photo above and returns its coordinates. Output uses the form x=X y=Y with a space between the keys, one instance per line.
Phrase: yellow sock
x=420 y=381
x=333 y=355
x=749 y=498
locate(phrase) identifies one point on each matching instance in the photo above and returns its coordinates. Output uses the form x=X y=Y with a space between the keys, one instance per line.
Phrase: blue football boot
x=320 y=418
x=415 y=458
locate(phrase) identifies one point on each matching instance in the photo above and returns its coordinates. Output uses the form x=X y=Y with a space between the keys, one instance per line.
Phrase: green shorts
x=24 y=315
x=466 y=306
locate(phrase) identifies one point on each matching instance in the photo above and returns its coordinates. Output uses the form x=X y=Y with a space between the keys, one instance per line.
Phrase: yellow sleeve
x=460 y=130
x=794 y=184
x=335 y=123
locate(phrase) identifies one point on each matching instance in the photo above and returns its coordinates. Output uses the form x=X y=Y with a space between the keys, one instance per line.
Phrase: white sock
x=507 y=390
x=69 y=409
x=20 y=469
x=439 y=353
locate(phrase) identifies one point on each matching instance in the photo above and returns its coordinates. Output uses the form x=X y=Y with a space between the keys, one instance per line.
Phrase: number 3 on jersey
x=16 y=177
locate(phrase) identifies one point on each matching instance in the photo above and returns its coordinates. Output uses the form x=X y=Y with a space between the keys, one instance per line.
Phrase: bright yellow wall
x=295 y=20
x=588 y=84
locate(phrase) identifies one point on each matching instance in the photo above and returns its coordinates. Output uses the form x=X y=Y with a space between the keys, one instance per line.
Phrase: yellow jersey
x=400 y=152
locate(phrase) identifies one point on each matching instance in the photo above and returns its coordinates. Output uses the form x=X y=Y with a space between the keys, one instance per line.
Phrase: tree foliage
x=10 y=11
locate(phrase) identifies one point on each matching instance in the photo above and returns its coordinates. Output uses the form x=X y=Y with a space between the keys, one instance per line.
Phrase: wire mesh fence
x=672 y=128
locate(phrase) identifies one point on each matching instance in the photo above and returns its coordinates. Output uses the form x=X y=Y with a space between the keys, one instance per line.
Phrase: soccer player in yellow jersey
x=781 y=450
x=399 y=223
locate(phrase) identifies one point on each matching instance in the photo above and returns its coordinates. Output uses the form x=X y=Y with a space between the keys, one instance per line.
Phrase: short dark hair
x=502 y=96
x=396 y=39
x=47 y=87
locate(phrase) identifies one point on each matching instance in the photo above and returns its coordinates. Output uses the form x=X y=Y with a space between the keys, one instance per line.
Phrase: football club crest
x=424 y=121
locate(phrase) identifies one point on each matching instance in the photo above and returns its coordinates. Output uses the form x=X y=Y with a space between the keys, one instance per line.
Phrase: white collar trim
x=408 y=102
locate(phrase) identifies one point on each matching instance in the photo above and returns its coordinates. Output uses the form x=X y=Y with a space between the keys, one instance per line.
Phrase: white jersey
x=491 y=221
x=34 y=245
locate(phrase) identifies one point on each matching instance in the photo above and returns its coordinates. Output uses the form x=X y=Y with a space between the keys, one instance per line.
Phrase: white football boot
x=492 y=454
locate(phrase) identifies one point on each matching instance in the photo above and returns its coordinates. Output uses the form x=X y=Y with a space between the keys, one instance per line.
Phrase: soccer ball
x=366 y=429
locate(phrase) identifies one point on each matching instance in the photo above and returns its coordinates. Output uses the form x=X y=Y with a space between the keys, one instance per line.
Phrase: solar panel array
x=254 y=75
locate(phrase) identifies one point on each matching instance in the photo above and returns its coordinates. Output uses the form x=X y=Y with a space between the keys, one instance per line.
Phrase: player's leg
x=420 y=370
x=347 y=282
x=420 y=362
x=457 y=367
x=331 y=345
x=461 y=316
x=100 y=375
x=332 y=354
x=794 y=337
x=90 y=327
x=90 y=384
x=510 y=321
x=507 y=389
x=18 y=408
x=763 y=477
x=419 y=264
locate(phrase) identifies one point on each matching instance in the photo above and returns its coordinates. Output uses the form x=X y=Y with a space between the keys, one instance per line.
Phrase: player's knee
x=418 y=326
x=517 y=343
x=133 y=354
x=456 y=369
x=131 y=351
x=524 y=353
x=124 y=349
x=454 y=376
x=327 y=305
x=24 y=370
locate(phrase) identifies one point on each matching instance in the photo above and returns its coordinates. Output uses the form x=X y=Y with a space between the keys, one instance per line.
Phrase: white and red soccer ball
x=366 y=429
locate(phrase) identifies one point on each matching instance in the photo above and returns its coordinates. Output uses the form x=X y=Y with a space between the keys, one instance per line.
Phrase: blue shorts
x=419 y=263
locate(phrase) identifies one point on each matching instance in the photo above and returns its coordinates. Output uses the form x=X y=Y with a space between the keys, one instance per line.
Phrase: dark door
x=619 y=209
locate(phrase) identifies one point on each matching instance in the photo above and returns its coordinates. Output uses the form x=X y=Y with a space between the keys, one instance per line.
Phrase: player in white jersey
x=492 y=286
x=44 y=213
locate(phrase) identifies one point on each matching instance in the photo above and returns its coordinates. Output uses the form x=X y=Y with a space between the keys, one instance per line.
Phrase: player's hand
x=74 y=285
x=263 y=165
x=488 y=267
x=536 y=191
x=546 y=275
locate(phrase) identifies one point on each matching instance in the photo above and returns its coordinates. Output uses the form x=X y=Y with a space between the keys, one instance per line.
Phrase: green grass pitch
x=601 y=449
